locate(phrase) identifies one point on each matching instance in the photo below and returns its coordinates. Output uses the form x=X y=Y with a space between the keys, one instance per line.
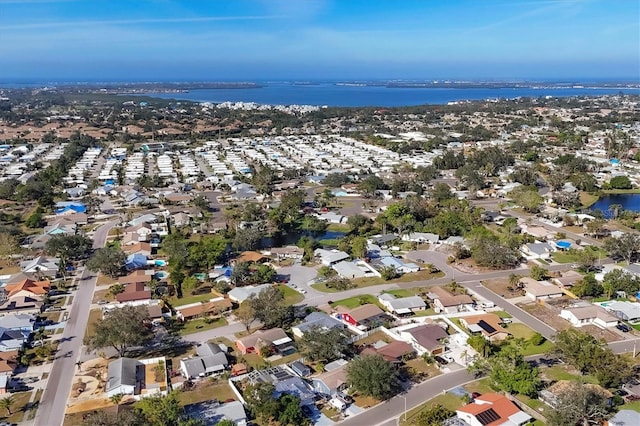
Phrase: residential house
x=300 y=369
x=251 y=257
x=330 y=382
x=402 y=305
x=295 y=386
x=427 y=338
x=330 y=257
x=266 y=342
x=212 y=307
x=135 y=261
x=134 y=291
x=123 y=377
x=180 y=219
x=142 y=230
x=22 y=304
x=624 y=418
x=142 y=248
x=128 y=376
x=18 y=322
x=287 y=252
x=626 y=311
x=581 y=315
x=144 y=219
x=395 y=352
x=139 y=276
x=489 y=325
x=240 y=294
x=492 y=409
x=213 y=412
x=316 y=319
x=12 y=340
x=210 y=359
x=41 y=266
x=421 y=237
x=382 y=239
x=364 y=317
x=354 y=269
x=27 y=288
x=537 y=250
x=444 y=301
x=399 y=265
x=332 y=217
x=540 y=290
x=568 y=279
x=8 y=364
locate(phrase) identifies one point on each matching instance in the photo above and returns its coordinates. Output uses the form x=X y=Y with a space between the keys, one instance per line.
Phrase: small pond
x=627 y=201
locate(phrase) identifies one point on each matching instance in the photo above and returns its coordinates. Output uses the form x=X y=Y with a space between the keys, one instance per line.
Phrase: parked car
x=102 y=302
x=623 y=327
x=440 y=360
x=507 y=320
x=53 y=309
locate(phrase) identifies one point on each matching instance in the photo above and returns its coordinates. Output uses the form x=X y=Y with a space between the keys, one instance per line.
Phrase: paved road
x=387 y=412
x=54 y=399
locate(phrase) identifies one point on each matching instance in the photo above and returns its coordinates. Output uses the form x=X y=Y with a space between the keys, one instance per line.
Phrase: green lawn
x=21 y=399
x=573 y=256
x=191 y=299
x=408 y=292
x=524 y=332
x=355 y=301
x=206 y=390
x=502 y=314
x=291 y=296
x=561 y=372
x=425 y=313
x=95 y=315
x=371 y=281
x=635 y=406
x=323 y=288
x=196 y=325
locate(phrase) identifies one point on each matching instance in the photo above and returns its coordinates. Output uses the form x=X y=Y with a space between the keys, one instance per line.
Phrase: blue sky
x=154 y=40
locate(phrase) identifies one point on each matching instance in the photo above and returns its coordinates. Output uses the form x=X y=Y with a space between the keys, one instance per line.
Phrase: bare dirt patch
x=546 y=314
x=599 y=333
x=502 y=286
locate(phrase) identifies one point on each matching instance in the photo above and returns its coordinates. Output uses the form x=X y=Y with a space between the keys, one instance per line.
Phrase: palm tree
x=7 y=402
x=117 y=398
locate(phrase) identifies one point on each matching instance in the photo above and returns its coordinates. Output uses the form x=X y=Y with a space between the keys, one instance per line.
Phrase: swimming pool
x=160 y=262
x=161 y=275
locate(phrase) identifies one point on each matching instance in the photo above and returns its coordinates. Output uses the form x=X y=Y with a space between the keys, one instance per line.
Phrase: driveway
x=299 y=275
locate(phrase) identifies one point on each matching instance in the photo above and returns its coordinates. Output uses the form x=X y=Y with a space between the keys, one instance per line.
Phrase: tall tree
x=580 y=404
x=626 y=246
x=121 y=328
x=9 y=247
x=108 y=260
x=270 y=308
x=372 y=375
x=7 y=403
x=509 y=372
x=322 y=344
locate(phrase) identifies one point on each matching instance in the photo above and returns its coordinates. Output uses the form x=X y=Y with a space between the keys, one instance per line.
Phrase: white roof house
x=329 y=257
x=402 y=305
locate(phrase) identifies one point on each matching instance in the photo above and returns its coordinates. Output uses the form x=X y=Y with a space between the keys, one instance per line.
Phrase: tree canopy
x=321 y=344
x=580 y=403
x=107 y=260
x=270 y=309
x=372 y=375
x=121 y=328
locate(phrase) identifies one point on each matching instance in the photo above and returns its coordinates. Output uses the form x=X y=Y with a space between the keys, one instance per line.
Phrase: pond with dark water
x=627 y=201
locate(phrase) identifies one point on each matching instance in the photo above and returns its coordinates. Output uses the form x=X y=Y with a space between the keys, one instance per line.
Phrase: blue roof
x=135 y=261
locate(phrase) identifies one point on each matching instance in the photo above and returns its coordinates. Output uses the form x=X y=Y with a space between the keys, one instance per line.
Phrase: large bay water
x=331 y=94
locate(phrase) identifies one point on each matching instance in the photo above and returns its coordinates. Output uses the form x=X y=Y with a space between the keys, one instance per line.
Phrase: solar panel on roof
x=486 y=327
x=487 y=416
